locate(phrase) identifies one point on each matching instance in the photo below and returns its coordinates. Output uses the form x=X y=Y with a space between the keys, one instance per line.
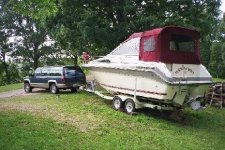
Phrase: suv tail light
x=63 y=79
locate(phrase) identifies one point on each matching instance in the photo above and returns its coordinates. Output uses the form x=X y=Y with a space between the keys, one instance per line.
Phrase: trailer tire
x=117 y=103
x=129 y=106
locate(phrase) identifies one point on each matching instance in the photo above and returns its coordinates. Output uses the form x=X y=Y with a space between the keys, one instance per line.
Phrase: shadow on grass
x=204 y=119
x=148 y=112
x=157 y=114
x=210 y=121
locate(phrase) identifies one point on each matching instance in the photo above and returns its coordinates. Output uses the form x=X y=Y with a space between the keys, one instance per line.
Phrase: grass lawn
x=85 y=121
x=11 y=87
x=218 y=80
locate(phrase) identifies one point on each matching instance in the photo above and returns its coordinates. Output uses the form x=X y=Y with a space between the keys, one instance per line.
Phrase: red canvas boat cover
x=170 y=44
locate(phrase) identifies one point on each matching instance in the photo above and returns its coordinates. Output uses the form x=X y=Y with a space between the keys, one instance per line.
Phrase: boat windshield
x=182 y=43
x=130 y=47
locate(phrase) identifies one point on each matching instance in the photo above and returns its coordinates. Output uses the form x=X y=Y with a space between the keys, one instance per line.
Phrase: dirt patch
x=83 y=122
x=20 y=92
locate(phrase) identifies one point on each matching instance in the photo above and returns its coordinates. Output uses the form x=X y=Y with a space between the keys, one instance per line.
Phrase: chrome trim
x=54 y=81
x=26 y=80
x=39 y=85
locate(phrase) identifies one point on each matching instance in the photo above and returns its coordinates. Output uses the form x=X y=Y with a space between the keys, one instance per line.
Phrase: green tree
x=35 y=9
x=35 y=42
x=98 y=26
x=101 y=25
x=6 y=31
x=217 y=59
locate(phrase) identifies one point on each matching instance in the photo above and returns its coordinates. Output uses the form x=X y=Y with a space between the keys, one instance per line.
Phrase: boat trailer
x=128 y=103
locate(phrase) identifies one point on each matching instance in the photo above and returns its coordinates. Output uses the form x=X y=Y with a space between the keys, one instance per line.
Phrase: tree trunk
x=36 y=56
x=35 y=62
x=6 y=69
x=75 y=60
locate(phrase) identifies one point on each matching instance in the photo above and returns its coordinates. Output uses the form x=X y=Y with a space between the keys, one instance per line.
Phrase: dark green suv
x=55 y=78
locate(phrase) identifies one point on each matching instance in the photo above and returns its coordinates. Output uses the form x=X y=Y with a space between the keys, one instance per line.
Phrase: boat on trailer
x=159 y=68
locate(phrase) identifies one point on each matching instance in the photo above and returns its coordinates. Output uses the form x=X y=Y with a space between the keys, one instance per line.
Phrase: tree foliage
x=217 y=57
x=35 y=42
x=6 y=31
x=35 y=9
x=34 y=37
x=98 y=26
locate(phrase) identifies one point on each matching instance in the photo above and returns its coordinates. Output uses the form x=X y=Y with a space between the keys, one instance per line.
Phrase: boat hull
x=147 y=85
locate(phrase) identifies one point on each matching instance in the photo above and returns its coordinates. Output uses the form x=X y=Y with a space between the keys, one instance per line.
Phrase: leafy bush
x=14 y=75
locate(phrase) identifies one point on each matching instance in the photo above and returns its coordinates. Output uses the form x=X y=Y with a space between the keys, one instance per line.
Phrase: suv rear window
x=71 y=71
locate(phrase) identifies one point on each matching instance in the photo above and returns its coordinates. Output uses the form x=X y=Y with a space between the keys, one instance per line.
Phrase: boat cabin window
x=149 y=44
x=182 y=43
x=130 y=47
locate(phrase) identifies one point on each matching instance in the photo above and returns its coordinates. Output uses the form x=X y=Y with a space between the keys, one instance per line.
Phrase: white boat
x=159 y=68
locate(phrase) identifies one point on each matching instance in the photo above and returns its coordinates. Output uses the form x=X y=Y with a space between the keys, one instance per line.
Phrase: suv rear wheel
x=53 y=88
x=73 y=89
x=27 y=88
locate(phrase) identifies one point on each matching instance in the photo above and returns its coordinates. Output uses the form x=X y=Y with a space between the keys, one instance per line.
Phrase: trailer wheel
x=129 y=106
x=117 y=103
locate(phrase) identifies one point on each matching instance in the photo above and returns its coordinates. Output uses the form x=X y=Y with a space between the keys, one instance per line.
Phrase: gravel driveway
x=19 y=92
